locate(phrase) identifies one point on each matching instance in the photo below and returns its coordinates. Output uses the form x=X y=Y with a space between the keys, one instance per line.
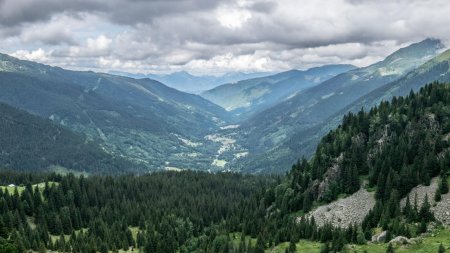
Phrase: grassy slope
x=429 y=244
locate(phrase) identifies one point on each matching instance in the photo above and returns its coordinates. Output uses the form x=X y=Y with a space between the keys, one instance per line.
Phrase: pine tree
x=390 y=248
x=7 y=247
x=422 y=227
x=292 y=247
x=425 y=213
x=325 y=248
x=360 y=238
x=259 y=248
x=441 y=248
x=407 y=210
x=443 y=186
x=437 y=195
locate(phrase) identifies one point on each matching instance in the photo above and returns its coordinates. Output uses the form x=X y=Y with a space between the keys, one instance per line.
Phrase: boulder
x=400 y=240
x=381 y=237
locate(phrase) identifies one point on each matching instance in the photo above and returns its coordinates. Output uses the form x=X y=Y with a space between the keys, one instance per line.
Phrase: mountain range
x=256 y=125
x=248 y=97
x=276 y=137
x=141 y=119
x=184 y=81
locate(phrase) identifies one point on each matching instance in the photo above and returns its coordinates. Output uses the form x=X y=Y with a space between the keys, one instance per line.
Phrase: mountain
x=30 y=143
x=247 y=97
x=379 y=158
x=434 y=70
x=389 y=167
x=270 y=134
x=187 y=82
x=142 y=120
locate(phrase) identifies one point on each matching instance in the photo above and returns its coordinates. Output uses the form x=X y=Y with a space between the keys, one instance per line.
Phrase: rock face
x=422 y=191
x=440 y=209
x=381 y=237
x=346 y=211
x=319 y=188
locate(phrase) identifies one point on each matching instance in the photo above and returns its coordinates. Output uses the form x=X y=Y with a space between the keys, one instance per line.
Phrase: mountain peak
x=424 y=48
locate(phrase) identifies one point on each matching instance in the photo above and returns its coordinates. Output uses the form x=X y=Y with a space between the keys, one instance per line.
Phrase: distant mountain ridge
x=272 y=134
x=247 y=97
x=186 y=82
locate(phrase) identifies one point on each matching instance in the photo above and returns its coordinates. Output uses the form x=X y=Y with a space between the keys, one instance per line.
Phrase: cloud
x=216 y=35
x=93 y=47
x=37 y=55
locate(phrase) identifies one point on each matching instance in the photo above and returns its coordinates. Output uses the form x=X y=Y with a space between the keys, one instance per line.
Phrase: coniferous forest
x=389 y=149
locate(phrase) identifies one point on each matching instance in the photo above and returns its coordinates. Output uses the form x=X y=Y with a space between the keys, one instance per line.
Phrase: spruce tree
x=407 y=210
x=437 y=195
x=443 y=186
x=425 y=213
x=360 y=238
x=390 y=248
x=441 y=248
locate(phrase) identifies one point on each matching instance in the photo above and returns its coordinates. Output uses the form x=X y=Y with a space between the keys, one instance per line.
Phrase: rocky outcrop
x=381 y=237
x=320 y=188
x=346 y=211
x=422 y=191
x=440 y=209
x=400 y=240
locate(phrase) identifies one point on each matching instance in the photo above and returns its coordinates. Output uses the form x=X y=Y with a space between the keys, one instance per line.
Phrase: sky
x=215 y=36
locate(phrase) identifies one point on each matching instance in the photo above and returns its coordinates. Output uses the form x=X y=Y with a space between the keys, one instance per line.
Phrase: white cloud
x=38 y=55
x=215 y=36
x=232 y=17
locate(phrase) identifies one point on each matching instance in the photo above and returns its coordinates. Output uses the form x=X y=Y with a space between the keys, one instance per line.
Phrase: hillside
x=436 y=69
x=390 y=152
x=248 y=97
x=29 y=143
x=393 y=151
x=288 y=130
x=143 y=120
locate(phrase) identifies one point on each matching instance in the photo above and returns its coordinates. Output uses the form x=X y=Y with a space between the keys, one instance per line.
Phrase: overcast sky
x=208 y=36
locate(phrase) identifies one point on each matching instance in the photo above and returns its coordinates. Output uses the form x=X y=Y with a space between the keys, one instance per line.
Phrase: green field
x=301 y=246
x=430 y=244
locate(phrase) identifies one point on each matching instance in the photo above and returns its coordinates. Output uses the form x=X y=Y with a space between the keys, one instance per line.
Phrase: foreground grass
x=301 y=246
x=429 y=244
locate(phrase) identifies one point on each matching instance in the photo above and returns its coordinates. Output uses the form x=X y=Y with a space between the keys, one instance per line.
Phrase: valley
x=155 y=127
x=240 y=126
x=352 y=195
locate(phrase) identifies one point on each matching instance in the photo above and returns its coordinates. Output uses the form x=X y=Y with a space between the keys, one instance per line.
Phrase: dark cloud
x=219 y=33
x=18 y=12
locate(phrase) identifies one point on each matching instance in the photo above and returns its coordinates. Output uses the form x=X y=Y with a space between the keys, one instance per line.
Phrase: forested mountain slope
x=267 y=135
x=163 y=212
x=391 y=149
x=388 y=150
x=436 y=69
x=248 y=97
x=143 y=119
x=35 y=144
